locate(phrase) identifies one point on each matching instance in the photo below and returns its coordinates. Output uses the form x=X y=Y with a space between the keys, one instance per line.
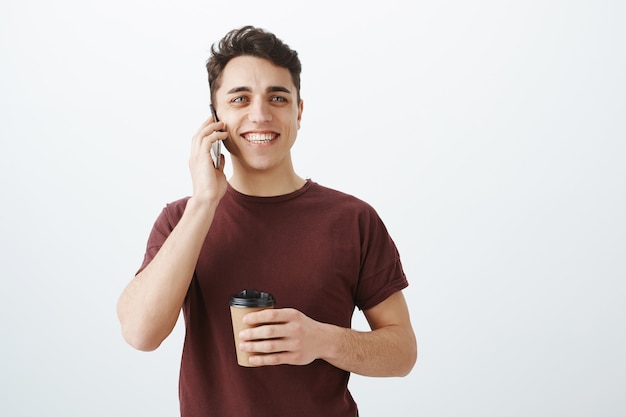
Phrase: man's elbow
x=409 y=363
x=136 y=333
x=140 y=340
x=409 y=356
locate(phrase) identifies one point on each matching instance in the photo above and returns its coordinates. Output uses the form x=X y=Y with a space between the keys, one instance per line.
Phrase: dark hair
x=256 y=42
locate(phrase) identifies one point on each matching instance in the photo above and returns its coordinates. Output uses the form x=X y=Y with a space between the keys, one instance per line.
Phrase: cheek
x=293 y=123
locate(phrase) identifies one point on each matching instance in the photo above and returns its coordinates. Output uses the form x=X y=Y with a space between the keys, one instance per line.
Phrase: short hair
x=251 y=41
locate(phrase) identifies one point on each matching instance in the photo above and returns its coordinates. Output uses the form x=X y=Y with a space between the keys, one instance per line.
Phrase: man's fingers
x=270 y=315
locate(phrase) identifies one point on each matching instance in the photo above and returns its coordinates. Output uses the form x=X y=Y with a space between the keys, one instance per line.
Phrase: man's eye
x=278 y=98
x=239 y=99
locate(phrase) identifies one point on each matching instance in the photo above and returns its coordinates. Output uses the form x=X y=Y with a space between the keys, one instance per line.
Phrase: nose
x=259 y=111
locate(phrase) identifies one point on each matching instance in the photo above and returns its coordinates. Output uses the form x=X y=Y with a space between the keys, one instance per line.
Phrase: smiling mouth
x=260 y=138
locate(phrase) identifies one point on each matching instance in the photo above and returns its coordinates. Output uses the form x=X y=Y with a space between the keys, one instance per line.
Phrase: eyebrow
x=270 y=89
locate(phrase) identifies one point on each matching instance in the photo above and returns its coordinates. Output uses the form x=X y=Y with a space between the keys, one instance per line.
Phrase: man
x=319 y=252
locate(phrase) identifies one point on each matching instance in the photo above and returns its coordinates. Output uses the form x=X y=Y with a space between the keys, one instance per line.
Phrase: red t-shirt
x=318 y=250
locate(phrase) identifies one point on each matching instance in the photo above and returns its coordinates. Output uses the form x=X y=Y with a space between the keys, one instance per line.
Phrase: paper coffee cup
x=247 y=301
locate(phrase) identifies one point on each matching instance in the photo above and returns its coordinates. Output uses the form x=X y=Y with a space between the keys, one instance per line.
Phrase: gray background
x=489 y=135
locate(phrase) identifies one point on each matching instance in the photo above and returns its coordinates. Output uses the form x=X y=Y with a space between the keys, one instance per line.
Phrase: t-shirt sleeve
x=163 y=226
x=381 y=269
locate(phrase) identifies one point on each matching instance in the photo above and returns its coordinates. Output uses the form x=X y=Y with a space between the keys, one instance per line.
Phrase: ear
x=300 y=109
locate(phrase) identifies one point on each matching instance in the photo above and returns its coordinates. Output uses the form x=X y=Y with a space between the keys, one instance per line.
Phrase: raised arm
x=149 y=306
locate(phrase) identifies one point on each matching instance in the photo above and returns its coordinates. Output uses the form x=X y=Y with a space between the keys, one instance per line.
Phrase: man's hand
x=283 y=336
x=209 y=184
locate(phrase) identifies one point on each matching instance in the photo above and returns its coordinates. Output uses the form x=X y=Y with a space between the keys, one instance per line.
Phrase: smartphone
x=216 y=147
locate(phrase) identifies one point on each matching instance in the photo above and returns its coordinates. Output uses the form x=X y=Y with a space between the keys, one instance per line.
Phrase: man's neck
x=266 y=184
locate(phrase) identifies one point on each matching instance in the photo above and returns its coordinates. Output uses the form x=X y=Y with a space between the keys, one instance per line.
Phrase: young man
x=319 y=252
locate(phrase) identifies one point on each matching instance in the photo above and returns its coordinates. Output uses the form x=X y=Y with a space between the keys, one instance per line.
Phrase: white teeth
x=259 y=137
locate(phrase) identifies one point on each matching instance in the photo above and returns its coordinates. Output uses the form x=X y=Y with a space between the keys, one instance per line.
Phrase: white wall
x=490 y=136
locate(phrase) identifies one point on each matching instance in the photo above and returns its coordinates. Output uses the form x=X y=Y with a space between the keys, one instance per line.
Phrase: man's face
x=258 y=102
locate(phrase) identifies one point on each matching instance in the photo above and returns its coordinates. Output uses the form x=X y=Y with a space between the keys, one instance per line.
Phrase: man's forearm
x=386 y=351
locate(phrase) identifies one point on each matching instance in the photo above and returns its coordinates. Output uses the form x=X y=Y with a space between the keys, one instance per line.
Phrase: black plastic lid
x=252 y=298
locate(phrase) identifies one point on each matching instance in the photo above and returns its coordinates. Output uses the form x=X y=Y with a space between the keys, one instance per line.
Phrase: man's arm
x=389 y=349
x=149 y=306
